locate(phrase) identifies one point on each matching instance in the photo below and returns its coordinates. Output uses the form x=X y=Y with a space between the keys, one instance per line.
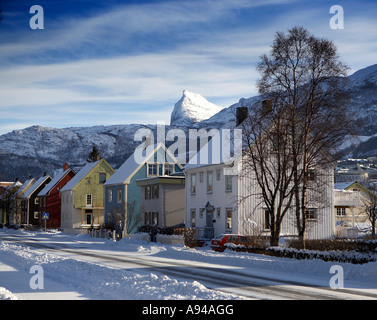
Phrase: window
x=89 y=200
x=36 y=201
x=102 y=177
x=201 y=175
x=152 y=169
x=193 y=183
x=341 y=211
x=119 y=195
x=266 y=220
x=154 y=218
x=110 y=195
x=311 y=175
x=155 y=192
x=218 y=174
x=193 y=217
x=228 y=183
x=147 y=192
x=36 y=214
x=275 y=142
x=151 y=218
x=311 y=214
x=218 y=210
x=229 y=218
x=209 y=181
x=168 y=169
x=147 y=218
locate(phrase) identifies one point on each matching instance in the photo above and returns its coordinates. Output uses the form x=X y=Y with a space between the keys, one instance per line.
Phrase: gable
x=160 y=154
x=88 y=172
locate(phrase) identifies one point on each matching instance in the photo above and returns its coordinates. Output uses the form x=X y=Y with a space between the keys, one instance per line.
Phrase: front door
x=209 y=229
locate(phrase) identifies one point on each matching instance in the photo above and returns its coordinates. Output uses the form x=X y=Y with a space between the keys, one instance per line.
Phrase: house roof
x=343 y=185
x=80 y=175
x=161 y=180
x=131 y=166
x=16 y=184
x=46 y=190
x=35 y=186
x=31 y=181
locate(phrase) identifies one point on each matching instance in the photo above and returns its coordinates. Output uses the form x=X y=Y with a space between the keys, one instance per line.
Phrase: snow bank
x=102 y=282
x=6 y=295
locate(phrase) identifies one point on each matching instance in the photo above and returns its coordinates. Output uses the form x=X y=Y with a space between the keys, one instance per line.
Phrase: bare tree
x=370 y=206
x=304 y=75
x=267 y=164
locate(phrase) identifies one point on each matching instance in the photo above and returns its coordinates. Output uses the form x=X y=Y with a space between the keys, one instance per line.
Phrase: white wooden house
x=214 y=206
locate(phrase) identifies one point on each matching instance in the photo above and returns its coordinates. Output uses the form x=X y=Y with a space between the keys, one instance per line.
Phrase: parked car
x=219 y=243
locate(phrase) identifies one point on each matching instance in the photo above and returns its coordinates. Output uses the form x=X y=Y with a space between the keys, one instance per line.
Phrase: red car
x=219 y=243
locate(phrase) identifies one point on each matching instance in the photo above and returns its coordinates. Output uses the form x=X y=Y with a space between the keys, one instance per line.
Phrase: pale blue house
x=123 y=196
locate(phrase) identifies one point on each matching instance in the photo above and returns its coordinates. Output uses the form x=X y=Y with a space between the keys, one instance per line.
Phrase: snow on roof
x=35 y=186
x=53 y=182
x=79 y=176
x=24 y=185
x=343 y=185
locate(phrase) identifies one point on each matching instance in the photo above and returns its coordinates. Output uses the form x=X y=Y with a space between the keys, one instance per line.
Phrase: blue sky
x=109 y=62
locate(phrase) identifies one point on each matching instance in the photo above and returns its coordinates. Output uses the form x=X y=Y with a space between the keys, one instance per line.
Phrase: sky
x=109 y=62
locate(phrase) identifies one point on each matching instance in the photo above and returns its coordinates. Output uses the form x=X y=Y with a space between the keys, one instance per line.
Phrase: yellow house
x=82 y=198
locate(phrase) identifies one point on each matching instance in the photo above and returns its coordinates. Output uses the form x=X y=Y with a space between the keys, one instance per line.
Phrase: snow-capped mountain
x=192 y=108
x=36 y=149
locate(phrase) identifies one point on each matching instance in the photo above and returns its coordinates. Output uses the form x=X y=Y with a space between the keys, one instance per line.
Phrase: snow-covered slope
x=192 y=108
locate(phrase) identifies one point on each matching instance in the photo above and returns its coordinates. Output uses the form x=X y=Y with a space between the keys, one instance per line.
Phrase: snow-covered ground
x=68 y=275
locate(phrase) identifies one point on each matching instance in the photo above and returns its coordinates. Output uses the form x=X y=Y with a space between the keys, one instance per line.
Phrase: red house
x=49 y=197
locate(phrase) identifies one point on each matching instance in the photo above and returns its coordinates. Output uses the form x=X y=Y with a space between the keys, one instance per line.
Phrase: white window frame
x=152 y=169
x=193 y=183
x=209 y=181
x=87 y=197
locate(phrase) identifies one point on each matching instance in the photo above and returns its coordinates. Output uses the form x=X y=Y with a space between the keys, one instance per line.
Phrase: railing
x=347 y=198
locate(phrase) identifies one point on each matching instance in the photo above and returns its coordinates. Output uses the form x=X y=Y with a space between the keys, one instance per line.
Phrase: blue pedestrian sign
x=45 y=215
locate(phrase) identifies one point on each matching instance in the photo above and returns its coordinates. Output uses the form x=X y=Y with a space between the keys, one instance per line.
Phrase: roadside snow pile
x=105 y=282
x=6 y=295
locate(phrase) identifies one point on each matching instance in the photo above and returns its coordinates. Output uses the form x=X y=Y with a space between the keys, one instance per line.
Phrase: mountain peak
x=192 y=108
x=368 y=74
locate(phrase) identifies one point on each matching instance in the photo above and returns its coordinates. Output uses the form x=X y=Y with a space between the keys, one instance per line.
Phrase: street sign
x=45 y=215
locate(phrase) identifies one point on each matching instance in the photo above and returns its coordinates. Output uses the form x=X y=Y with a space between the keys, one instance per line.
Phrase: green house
x=82 y=198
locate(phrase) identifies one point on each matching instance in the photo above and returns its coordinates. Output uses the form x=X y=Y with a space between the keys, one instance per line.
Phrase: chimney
x=266 y=107
x=44 y=173
x=241 y=115
x=65 y=166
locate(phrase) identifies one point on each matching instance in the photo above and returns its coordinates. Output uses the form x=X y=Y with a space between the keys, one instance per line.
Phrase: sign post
x=45 y=216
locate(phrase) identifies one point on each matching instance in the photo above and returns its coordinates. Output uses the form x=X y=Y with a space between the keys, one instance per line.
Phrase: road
x=244 y=283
